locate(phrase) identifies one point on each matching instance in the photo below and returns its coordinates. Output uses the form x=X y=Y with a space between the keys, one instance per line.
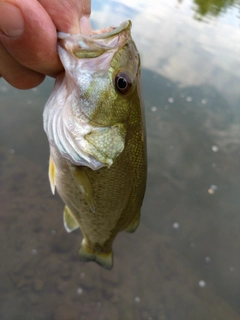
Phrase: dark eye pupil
x=122 y=83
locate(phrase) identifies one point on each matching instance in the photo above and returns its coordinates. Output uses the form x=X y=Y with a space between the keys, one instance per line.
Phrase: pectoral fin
x=84 y=184
x=52 y=175
x=70 y=223
x=102 y=258
x=106 y=144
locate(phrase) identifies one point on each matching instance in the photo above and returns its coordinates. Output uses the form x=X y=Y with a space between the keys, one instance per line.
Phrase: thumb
x=29 y=35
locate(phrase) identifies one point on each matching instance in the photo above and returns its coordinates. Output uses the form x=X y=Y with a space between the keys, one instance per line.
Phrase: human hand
x=28 y=37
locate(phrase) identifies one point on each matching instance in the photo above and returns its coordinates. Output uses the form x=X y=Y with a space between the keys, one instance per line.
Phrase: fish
x=94 y=121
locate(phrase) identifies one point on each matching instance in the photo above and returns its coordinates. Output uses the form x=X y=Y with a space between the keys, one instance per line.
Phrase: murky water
x=183 y=262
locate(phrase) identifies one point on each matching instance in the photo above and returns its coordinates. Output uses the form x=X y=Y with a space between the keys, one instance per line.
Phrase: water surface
x=183 y=262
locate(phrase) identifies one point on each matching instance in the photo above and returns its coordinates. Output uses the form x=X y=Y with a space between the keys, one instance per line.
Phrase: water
x=183 y=262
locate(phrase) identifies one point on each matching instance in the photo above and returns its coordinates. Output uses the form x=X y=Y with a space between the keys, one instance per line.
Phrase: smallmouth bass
x=94 y=122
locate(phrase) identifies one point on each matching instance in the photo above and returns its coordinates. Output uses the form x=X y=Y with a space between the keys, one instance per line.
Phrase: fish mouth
x=94 y=45
x=111 y=31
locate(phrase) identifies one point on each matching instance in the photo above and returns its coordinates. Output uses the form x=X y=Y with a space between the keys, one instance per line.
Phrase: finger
x=70 y=16
x=16 y=74
x=29 y=35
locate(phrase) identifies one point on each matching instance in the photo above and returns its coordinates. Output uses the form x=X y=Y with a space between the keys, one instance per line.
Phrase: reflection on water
x=183 y=262
x=214 y=7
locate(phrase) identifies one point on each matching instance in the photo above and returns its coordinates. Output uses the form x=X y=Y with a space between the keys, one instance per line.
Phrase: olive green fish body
x=95 y=125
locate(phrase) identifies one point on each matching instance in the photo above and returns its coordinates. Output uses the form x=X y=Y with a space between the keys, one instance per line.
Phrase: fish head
x=94 y=96
x=101 y=70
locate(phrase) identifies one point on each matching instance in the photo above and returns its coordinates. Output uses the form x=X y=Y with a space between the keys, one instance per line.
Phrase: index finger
x=70 y=16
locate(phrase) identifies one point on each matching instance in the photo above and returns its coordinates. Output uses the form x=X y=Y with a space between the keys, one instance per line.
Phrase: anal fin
x=52 y=175
x=70 y=223
x=102 y=258
x=84 y=184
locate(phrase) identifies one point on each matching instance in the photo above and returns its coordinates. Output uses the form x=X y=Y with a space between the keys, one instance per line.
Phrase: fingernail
x=11 y=20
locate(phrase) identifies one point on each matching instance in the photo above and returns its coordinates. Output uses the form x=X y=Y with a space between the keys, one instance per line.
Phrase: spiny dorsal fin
x=70 y=223
x=52 y=175
x=84 y=184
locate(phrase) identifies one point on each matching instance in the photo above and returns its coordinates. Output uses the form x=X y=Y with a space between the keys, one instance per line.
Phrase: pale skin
x=28 y=37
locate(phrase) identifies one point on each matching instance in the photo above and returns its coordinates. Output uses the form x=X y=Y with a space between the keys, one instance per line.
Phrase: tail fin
x=102 y=258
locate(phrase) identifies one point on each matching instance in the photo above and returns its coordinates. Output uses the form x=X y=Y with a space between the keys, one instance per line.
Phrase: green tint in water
x=214 y=7
x=183 y=262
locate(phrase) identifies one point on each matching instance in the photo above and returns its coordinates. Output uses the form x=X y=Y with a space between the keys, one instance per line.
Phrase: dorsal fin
x=133 y=224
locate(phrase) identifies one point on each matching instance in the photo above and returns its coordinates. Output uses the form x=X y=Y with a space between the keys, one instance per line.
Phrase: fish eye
x=123 y=83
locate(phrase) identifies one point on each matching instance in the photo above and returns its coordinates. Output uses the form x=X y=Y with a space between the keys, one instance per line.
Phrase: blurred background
x=183 y=262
